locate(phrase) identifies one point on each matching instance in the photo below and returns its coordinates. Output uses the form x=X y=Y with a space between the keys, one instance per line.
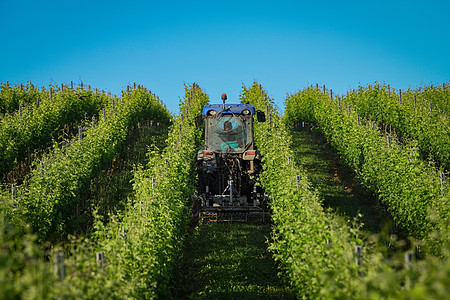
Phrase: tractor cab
x=229 y=162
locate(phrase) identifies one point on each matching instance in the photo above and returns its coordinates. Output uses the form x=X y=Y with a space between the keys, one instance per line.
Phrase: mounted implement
x=229 y=164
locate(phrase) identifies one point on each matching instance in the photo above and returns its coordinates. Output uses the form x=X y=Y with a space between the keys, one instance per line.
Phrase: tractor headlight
x=212 y=113
x=246 y=112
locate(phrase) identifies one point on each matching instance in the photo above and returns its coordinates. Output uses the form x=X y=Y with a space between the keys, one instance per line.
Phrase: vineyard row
x=321 y=257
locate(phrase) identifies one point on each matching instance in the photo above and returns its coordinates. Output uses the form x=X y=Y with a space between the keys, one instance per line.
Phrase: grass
x=227 y=261
x=336 y=183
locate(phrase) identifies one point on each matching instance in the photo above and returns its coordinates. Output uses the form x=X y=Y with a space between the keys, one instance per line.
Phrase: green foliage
x=53 y=202
x=259 y=98
x=34 y=131
x=410 y=117
x=410 y=189
x=19 y=95
x=23 y=272
x=312 y=246
x=109 y=191
x=141 y=244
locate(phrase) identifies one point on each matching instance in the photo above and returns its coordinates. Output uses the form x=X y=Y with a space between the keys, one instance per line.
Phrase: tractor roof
x=229 y=108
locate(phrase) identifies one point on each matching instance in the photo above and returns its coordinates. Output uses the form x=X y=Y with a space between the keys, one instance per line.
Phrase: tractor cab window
x=228 y=133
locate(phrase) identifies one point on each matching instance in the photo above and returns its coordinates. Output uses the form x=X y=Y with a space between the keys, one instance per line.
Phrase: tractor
x=229 y=163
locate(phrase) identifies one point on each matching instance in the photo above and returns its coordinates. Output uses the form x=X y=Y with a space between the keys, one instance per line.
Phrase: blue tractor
x=229 y=163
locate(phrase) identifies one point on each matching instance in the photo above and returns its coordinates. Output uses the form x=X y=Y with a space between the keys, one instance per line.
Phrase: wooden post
x=62 y=87
x=408 y=261
x=328 y=229
x=59 y=267
x=51 y=94
x=80 y=134
x=358 y=117
x=349 y=110
x=42 y=169
x=389 y=140
x=37 y=102
x=153 y=184
x=400 y=96
x=100 y=257
x=359 y=255
x=14 y=190
x=14 y=194
x=415 y=101
x=324 y=88
x=71 y=85
x=331 y=94
x=142 y=207
x=20 y=111
x=431 y=108
x=81 y=84
x=298 y=180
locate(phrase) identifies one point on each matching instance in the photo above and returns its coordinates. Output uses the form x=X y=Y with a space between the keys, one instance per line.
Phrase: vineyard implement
x=229 y=164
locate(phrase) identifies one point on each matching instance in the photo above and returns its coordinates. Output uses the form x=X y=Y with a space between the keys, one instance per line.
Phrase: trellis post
x=80 y=134
x=359 y=255
x=100 y=257
x=59 y=267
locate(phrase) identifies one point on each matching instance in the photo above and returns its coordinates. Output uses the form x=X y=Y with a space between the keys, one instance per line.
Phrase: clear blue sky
x=284 y=45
